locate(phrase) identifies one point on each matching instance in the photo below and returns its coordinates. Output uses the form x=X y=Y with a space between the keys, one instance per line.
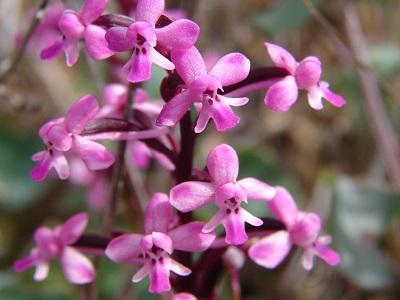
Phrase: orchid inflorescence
x=72 y=148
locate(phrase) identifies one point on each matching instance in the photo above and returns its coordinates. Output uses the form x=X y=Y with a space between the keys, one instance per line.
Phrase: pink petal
x=94 y=155
x=96 y=44
x=271 y=250
x=92 y=10
x=71 y=49
x=59 y=138
x=231 y=68
x=143 y=272
x=42 y=270
x=176 y=267
x=249 y=218
x=222 y=115
x=233 y=101
x=257 y=190
x=308 y=258
x=115 y=94
x=78 y=269
x=159 y=279
x=174 y=110
x=54 y=50
x=57 y=160
x=333 y=98
x=40 y=171
x=71 y=26
x=161 y=60
x=282 y=94
x=234 y=228
x=47 y=244
x=25 y=263
x=81 y=113
x=191 y=195
x=144 y=30
x=327 y=254
x=140 y=154
x=305 y=231
x=189 y=64
x=223 y=164
x=281 y=58
x=183 y=296
x=308 y=72
x=215 y=221
x=158 y=215
x=162 y=241
x=140 y=67
x=60 y=164
x=73 y=228
x=284 y=207
x=180 y=34
x=149 y=11
x=227 y=191
x=189 y=237
x=124 y=248
x=116 y=39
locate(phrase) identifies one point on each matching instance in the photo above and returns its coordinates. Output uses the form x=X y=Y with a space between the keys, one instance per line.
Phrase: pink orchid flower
x=153 y=249
x=301 y=229
x=223 y=166
x=202 y=87
x=56 y=243
x=304 y=75
x=62 y=134
x=77 y=26
x=46 y=31
x=142 y=36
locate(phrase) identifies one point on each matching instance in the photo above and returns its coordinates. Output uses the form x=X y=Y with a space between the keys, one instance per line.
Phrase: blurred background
x=342 y=163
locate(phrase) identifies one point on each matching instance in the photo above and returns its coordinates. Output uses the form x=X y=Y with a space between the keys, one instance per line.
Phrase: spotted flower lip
x=302 y=229
x=304 y=75
x=202 y=87
x=152 y=250
x=51 y=244
x=226 y=192
x=142 y=37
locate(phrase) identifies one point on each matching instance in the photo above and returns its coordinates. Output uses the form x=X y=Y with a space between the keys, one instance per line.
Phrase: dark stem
x=210 y=264
x=182 y=173
x=118 y=172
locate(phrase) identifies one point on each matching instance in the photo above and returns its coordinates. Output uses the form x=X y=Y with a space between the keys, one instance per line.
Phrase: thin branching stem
x=9 y=66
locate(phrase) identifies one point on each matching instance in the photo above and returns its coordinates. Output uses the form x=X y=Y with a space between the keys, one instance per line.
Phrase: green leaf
x=17 y=189
x=285 y=15
x=361 y=216
x=385 y=58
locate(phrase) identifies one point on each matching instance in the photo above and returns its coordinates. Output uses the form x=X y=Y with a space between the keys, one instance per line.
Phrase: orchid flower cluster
x=195 y=97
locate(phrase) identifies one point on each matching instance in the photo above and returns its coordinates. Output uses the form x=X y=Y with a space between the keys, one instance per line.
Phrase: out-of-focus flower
x=77 y=26
x=302 y=229
x=51 y=244
x=304 y=75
